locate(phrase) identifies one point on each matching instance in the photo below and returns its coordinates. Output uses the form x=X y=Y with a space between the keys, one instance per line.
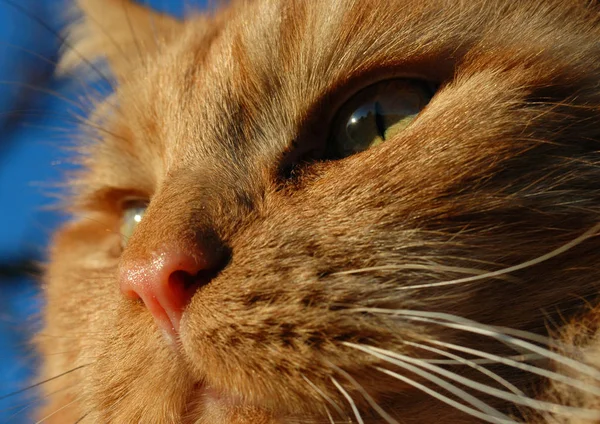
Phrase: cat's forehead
x=250 y=80
x=240 y=88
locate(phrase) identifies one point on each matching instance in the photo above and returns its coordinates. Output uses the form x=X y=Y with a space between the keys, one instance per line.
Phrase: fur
x=215 y=120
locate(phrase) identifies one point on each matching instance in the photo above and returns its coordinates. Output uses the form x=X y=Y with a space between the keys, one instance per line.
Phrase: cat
x=331 y=211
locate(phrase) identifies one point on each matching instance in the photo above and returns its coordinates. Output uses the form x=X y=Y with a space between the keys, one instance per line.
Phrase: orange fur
x=500 y=168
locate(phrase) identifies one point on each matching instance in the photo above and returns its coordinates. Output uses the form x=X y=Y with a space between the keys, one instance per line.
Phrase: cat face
x=291 y=211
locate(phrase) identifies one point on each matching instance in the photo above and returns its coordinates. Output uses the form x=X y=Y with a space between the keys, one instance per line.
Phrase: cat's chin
x=217 y=404
x=214 y=407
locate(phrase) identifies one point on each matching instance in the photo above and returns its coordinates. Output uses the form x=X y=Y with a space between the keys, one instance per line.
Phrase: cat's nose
x=166 y=283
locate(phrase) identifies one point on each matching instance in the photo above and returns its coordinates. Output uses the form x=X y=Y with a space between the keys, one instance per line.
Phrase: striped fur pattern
x=448 y=275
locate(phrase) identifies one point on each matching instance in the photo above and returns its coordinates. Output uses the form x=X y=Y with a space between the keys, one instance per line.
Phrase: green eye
x=132 y=216
x=378 y=113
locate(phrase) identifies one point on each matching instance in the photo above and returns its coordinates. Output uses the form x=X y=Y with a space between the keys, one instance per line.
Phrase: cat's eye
x=378 y=113
x=132 y=216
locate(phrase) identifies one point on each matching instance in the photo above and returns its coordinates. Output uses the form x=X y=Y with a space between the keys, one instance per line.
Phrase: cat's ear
x=122 y=31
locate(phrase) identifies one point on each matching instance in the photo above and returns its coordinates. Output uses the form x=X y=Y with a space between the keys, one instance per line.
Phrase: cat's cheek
x=136 y=375
x=81 y=295
x=91 y=243
x=215 y=410
x=238 y=351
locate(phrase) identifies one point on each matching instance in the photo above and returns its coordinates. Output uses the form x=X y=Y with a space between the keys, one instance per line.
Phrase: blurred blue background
x=36 y=122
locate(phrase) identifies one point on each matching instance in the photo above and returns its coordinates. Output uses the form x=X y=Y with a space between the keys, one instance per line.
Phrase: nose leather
x=165 y=282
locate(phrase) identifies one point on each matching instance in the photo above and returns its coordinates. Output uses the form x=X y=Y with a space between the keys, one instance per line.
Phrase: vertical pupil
x=378 y=113
x=379 y=120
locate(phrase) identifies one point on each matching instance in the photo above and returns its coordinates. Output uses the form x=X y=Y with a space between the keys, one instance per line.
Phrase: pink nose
x=166 y=284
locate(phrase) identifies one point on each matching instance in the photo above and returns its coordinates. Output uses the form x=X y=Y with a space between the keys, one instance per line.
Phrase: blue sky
x=35 y=127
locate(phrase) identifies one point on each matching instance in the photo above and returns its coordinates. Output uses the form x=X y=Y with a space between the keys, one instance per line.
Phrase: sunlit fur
x=335 y=266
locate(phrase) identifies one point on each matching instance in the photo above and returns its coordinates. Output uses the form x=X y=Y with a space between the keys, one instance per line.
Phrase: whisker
x=494 y=274
x=84 y=84
x=109 y=37
x=133 y=34
x=482 y=330
x=465 y=321
x=64 y=352
x=324 y=396
x=525 y=367
x=82 y=418
x=520 y=358
x=43 y=382
x=24 y=406
x=61 y=38
x=401 y=360
x=467 y=397
x=329 y=416
x=152 y=25
x=349 y=399
x=73 y=335
x=31 y=53
x=106 y=227
x=366 y=395
x=91 y=125
x=435 y=267
x=471 y=364
x=447 y=400
x=58 y=410
x=74 y=119
x=45 y=91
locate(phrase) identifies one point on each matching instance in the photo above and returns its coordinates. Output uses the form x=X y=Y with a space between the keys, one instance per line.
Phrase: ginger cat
x=332 y=211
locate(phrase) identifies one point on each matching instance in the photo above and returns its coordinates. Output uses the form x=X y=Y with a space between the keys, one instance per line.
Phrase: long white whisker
x=350 y=401
x=427 y=267
x=447 y=400
x=477 y=403
x=153 y=26
x=471 y=364
x=400 y=360
x=329 y=416
x=461 y=320
x=581 y=367
x=525 y=367
x=556 y=252
x=493 y=332
x=324 y=396
x=363 y=392
x=518 y=358
x=57 y=411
